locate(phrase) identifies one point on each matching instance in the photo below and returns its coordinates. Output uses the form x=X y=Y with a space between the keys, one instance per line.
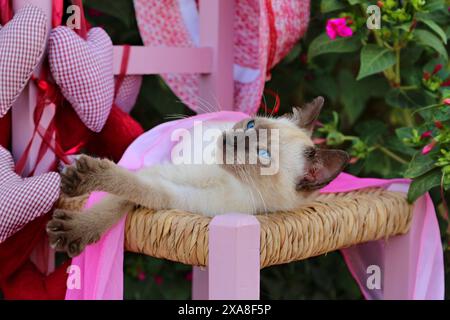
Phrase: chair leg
x=200 y=283
x=234 y=257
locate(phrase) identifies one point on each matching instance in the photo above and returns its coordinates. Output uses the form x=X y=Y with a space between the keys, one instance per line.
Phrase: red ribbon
x=82 y=32
x=123 y=69
x=6 y=12
x=57 y=12
x=48 y=96
x=276 y=107
x=273 y=37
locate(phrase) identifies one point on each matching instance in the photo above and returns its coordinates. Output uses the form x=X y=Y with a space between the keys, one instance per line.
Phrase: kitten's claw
x=84 y=176
x=71 y=232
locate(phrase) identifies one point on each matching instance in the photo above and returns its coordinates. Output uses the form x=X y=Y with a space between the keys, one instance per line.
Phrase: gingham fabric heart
x=22 y=43
x=83 y=69
x=23 y=200
x=128 y=92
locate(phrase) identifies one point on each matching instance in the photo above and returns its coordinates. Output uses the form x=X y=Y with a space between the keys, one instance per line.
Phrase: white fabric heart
x=83 y=69
x=23 y=200
x=22 y=43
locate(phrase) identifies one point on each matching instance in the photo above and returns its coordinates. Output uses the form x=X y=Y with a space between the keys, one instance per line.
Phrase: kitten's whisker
x=207 y=104
x=217 y=102
x=176 y=116
x=250 y=190
x=257 y=190
x=265 y=103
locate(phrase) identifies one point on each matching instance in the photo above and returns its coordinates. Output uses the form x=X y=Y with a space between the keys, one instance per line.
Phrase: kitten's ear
x=305 y=116
x=321 y=167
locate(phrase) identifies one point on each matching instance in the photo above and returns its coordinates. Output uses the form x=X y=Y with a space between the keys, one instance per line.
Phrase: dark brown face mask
x=321 y=167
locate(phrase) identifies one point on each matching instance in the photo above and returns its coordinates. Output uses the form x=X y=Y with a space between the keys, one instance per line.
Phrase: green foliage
x=322 y=45
x=385 y=93
x=375 y=59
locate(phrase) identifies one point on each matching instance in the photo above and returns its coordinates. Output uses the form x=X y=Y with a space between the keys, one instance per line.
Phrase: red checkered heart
x=22 y=43
x=83 y=69
x=23 y=200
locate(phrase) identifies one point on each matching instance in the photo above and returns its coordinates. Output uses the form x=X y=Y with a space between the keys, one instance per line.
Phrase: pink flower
x=94 y=13
x=158 y=280
x=426 y=134
x=439 y=124
x=188 y=276
x=446 y=101
x=141 y=276
x=338 y=27
x=429 y=147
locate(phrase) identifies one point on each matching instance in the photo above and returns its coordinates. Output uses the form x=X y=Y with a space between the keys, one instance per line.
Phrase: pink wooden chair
x=214 y=61
x=234 y=256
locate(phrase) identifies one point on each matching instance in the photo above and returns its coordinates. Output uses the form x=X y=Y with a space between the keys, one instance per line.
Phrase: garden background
x=387 y=102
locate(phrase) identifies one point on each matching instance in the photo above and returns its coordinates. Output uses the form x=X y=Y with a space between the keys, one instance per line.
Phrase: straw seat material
x=332 y=222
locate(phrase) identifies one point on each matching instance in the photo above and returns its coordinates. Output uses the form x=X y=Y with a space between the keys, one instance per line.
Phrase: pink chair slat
x=157 y=60
x=216 y=31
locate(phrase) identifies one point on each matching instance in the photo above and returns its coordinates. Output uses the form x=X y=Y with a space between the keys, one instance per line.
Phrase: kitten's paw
x=84 y=176
x=71 y=232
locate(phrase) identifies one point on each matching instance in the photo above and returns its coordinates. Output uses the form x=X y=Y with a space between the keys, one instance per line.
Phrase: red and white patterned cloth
x=22 y=43
x=128 y=92
x=257 y=24
x=83 y=69
x=23 y=200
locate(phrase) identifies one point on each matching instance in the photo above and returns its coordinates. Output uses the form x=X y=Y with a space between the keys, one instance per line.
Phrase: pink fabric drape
x=101 y=264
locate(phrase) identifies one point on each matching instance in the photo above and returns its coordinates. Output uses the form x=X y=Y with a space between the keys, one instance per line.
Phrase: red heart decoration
x=83 y=69
x=22 y=43
x=23 y=200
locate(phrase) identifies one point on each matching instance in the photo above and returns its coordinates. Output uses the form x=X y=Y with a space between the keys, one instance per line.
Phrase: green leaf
x=407 y=98
x=355 y=94
x=424 y=183
x=396 y=145
x=419 y=165
x=428 y=39
x=433 y=26
x=322 y=44
x=330 y=5
x=371 y=130
x=404 y=133
x=410 y=55
x=433 y=5
x=353 y=2
x=374 y=59
x=122 y=10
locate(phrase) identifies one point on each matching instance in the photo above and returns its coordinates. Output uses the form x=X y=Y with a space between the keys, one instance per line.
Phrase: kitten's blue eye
x=264 y=153
x=250 y=124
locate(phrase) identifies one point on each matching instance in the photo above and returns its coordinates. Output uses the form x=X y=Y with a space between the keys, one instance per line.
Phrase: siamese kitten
x=233 y=183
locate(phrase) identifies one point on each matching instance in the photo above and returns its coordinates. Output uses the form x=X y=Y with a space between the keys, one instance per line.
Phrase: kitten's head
x=282 y=149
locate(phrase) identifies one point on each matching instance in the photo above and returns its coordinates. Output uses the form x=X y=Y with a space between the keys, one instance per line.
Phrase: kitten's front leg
x=90 y=174
x=86 y=175
x=71 y=231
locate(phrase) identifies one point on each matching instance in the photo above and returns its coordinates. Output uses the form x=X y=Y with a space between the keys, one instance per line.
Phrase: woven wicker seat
x=332 y=222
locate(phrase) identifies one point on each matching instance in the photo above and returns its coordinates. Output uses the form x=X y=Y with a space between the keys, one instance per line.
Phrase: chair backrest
x=213 y=60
